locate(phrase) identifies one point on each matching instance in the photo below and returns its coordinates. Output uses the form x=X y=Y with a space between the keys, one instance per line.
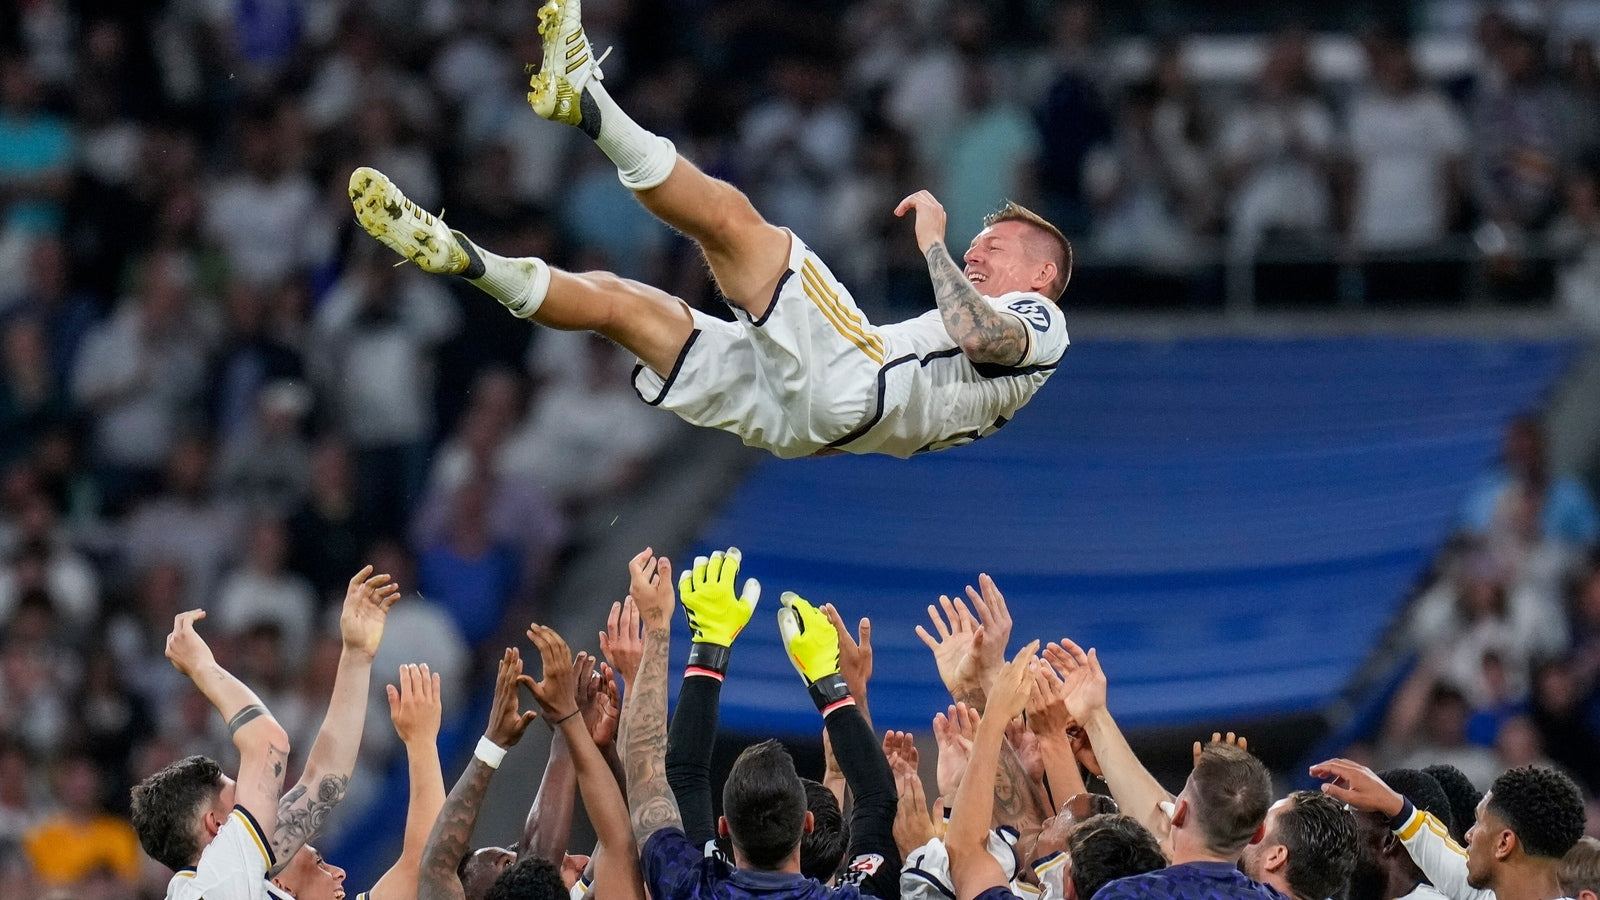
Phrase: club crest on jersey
x=867 y=864
x=1034 y=312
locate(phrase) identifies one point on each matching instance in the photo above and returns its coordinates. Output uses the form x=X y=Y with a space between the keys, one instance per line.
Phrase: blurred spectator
x=136 y=635
x=868 y=247
x=918 y=98
x=472 y=575
x=72 y=844
x=113 y=720
x=418 y=630
x=41 y=559
x=383 y=143
x=375 y=332
x=989 y=157
x=326 y=534
x=250 y=358
x=1073 y=118
x=20 y=797
x=1575 y=240
x=31 y=399
x=64 y=314
x=263 y=591
x=1154 y=185
x=1409 y=147
x=263 y=215
x=796 y=146
x=1275 y=152
x=359 y=68
x=1524 y=139
x=186 y=523
x=1581 y=86
x=1561 y=505
x=36 y=156
x=140 y=374
x=265 y=464
x=1428 y=726
x=1557 y=717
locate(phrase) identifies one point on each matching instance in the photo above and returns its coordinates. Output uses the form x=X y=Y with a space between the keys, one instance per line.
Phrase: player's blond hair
x=1016 y=212
x=1580 y=868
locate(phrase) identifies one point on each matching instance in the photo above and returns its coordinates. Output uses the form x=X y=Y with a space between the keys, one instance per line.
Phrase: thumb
x=752 y=593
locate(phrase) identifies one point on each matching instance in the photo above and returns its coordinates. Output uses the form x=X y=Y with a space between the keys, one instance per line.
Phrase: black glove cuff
x=712 y=657
x=829 y=692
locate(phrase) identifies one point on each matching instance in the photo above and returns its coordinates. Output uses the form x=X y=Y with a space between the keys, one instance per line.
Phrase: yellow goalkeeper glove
x=715 y=615
x=813 y=647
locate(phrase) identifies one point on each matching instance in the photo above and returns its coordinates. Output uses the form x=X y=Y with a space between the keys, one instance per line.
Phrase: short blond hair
x=1580 y=868
x=1062 y=248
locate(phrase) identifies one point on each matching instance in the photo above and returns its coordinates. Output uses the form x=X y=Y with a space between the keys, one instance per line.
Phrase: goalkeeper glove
x=813 y=647
x=715 y=615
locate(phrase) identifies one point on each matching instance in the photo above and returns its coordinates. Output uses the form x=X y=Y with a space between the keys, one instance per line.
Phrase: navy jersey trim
x=776 y=292
x=677 y=366
x=930 y=879
x=861 y=430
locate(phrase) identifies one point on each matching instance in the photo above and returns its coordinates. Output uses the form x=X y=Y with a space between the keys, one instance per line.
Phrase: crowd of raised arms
x=1011 y=814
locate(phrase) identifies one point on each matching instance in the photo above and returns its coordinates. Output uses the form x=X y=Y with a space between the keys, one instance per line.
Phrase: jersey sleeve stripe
x=254 y=830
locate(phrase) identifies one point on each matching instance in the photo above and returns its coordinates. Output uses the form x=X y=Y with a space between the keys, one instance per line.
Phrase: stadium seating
x=1233 y=522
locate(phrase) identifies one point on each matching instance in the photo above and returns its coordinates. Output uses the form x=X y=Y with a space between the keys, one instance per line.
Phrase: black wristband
x=829 y=692
x=710 y=657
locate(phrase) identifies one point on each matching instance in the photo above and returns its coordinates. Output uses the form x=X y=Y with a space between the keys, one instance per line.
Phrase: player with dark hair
x=1462 y=795
x=800 y=371
x=1384 y=870
x=182 y=813
x=822 y=848
x=1307 y=849
x=1524 y=825
x=1105 y=848
x=764 y=801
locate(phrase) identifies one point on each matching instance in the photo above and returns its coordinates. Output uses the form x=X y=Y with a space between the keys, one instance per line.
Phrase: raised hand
x=1047 y=710
x=715 y=615
x=415 y=705
x=994 y=619
x=557 y=691
x=855 y=656
x=650 y=587
x=809 y=637
x=586 y=687
x=1026 y=743
x=188 y=652
x=609 y=702
x=507 y=720
x=931 y=218
x=623 y=642
x=1218 y=738
x=1355 y=784
x=953 y=650
x=901 y=751
x=953 y=733
x=913 y=826
x=1012 y=688
x=1084 y=690
x=366 y=608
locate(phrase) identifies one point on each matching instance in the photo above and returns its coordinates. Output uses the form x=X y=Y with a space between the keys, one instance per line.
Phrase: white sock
x=643 y=159
x=519 y=284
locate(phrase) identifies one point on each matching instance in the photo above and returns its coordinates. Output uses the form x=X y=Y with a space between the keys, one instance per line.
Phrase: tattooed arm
x=983 y=333
x=263 y=744
x=326 y=777
x=447 y=843
x=651 y=803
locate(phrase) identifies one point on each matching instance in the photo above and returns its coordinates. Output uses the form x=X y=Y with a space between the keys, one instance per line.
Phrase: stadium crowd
x=196 y=414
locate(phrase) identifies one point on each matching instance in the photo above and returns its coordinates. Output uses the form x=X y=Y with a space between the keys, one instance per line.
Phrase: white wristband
x=489 y=753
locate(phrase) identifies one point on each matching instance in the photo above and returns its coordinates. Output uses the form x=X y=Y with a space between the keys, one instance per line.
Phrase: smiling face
x=310 y=877
x=1009 y=256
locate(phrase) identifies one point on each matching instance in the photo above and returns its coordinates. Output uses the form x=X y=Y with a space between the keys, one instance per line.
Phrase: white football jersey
x=931 y=396
x=232 y=867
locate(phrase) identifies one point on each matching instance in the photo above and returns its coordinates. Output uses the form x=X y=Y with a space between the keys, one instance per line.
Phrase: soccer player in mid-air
x=799 y=371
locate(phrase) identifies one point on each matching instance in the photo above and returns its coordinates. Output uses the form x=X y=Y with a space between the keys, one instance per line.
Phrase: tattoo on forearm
x=244 y=717
x=970 y=320
x=301 y=814
x=1014 y=802
x=448 y=842
x=651 y=803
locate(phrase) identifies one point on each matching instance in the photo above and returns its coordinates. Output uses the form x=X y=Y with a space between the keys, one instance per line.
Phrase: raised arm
x=326 y=777
x=972 y=868
x=616 y=869
x=983 y=333
x=651 y=804
x=1049 y=720
x=1136 y=791
x=262 y=743
x=448 y=841
x=716 y=615
x=415 y=709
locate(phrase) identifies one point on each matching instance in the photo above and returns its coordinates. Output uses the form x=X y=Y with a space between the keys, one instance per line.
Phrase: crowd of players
x=1013 y=816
